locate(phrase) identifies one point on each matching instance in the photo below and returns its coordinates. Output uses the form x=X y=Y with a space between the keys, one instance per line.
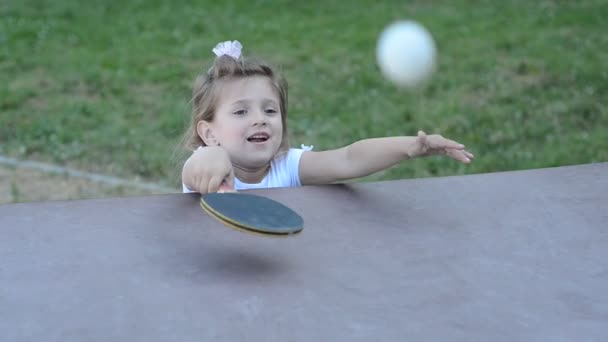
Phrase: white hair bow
x=230 y=48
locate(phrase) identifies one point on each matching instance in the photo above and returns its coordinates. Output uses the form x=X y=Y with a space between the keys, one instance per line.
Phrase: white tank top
x=284 y=172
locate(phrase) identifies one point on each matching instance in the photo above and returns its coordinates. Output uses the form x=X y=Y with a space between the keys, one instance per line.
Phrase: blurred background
x=94 y=95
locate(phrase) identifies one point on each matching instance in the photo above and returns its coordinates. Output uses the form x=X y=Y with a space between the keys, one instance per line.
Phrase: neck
x=250 y=175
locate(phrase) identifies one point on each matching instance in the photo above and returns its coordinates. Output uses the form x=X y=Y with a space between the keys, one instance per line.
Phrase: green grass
x=104 y=86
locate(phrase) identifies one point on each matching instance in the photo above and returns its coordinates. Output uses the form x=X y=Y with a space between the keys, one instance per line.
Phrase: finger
x=227 y=184
x=441 y=142
x=214 y=184
x=229 y=179
x=203 y=185
x=458 y=155
x=469 y=154
x=226 y=188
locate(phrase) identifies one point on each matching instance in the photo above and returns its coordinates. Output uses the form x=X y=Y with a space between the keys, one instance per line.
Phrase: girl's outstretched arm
x=368 y=156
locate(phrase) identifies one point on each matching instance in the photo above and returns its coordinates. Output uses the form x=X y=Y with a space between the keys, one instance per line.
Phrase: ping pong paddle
x=252 y=213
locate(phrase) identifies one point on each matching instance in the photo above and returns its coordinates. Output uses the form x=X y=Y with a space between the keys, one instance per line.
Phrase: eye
x=270 y=111
x=240 y=112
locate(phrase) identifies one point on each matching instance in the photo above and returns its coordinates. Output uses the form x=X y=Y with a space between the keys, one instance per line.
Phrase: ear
x=205 y=132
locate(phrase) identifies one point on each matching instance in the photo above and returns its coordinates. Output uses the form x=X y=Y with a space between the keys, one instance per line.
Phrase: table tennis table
x=507 y=256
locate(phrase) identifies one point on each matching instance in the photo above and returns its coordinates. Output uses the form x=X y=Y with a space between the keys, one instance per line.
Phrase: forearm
x=368 y=156
x=206 y=168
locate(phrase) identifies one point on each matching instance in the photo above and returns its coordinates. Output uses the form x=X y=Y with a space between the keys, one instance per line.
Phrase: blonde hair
x=205 y=93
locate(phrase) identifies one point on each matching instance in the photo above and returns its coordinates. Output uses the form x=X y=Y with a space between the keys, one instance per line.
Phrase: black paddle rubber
x=252 y=213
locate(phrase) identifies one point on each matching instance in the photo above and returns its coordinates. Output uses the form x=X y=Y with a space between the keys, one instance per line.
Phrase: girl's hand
x=435 y=144
x=209 y=170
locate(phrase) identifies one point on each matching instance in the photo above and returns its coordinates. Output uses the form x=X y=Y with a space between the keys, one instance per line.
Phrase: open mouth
x=258 y=138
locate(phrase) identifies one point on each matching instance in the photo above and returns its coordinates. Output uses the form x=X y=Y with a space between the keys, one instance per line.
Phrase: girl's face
x=247 y=122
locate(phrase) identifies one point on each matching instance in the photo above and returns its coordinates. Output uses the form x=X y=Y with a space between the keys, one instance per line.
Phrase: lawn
x=104 y=86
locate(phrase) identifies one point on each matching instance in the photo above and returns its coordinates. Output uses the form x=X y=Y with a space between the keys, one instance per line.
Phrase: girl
x=239 y=134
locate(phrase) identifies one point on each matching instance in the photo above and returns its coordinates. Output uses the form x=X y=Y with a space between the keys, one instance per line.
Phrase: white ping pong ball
x=406 y=53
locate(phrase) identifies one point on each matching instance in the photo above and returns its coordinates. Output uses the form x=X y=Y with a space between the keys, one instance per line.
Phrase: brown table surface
x=508 y=256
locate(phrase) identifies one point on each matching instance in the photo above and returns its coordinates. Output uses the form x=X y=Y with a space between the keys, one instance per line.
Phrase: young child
x=240 y=141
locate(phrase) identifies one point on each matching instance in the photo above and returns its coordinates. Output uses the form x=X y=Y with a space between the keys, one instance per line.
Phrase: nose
x=260 y=119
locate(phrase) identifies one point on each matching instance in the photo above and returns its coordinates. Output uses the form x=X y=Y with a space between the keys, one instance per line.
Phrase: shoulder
x=285 y=169
x=291 y=156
